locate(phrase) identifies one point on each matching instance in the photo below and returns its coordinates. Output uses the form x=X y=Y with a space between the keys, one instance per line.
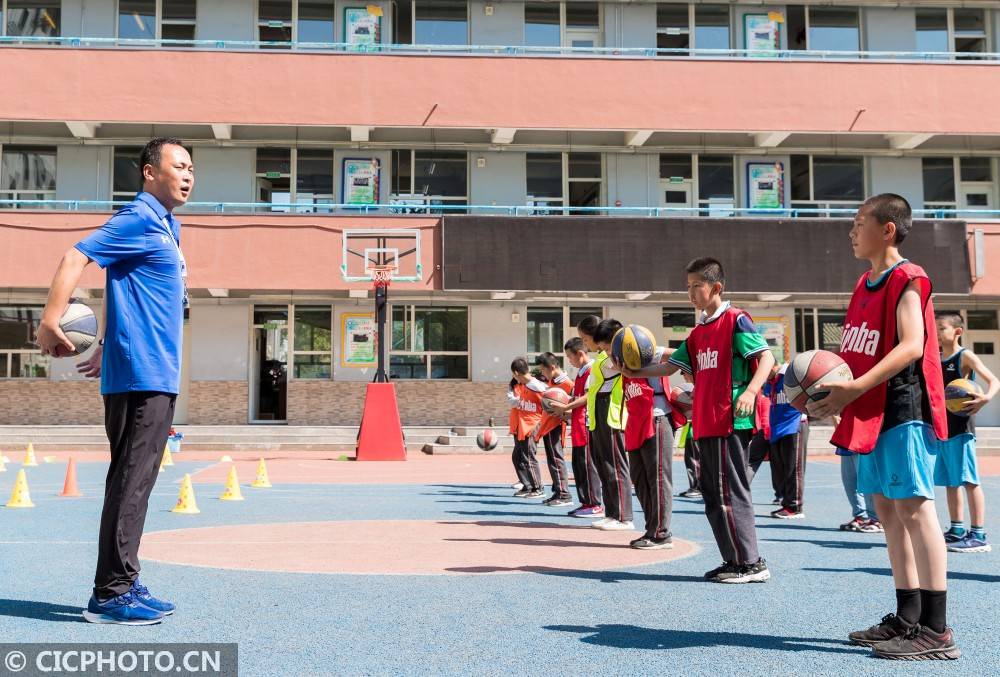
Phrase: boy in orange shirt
x=525 y=398
x=552 y=432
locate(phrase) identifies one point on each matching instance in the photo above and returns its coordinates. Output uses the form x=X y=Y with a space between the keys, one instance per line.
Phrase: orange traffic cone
x=232 y=492
x=261 y=481
x=20 y=497
x=70 y=488
x=185 y=501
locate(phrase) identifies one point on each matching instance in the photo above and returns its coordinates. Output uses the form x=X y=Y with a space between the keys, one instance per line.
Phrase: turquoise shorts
x=902 y=463
x=956 y=462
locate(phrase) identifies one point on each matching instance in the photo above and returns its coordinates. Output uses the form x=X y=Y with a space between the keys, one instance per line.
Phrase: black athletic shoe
x=559 y=501
x=890 y=627
x=714 y=573
x=523 y=493
x=646 y=543
x=538 y=493
x=691 y=493
x=634 y=543
x=920 y=643
x=747 y=573
x=549 y=500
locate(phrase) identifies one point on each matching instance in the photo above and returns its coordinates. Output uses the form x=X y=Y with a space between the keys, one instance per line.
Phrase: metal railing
x=499 y=50
x=388 y=209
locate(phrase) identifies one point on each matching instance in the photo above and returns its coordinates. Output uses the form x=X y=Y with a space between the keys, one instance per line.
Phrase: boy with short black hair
x=588 y=482
x=893 y=414
x=956 y=462
x=552 y=431
x=729 y=361
x=525 y=414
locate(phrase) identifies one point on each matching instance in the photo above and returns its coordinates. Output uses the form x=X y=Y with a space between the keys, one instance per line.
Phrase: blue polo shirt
x=139 y=249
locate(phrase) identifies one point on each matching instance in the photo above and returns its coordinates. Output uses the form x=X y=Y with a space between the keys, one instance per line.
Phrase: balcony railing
x=499 y=50
x=487 y=210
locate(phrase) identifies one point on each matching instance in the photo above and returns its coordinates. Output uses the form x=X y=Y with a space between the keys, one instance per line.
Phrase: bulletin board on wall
x=765 y=185
x=777 y=331
x=762 y=32
x=358 y=340
x=360 y=178
x=362 y=26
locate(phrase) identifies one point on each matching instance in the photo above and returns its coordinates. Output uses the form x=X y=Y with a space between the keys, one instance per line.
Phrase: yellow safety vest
x=617 y=416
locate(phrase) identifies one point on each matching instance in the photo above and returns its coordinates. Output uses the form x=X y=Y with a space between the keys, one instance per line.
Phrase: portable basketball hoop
x=381 y=279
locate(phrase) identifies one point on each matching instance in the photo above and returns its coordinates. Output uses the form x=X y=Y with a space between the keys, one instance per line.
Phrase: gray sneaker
x=890 y=626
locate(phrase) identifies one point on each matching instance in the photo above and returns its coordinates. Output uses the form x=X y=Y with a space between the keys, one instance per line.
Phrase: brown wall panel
x=576 y=254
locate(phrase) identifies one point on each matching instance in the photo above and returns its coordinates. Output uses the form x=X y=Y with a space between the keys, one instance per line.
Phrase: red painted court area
x=423 y=547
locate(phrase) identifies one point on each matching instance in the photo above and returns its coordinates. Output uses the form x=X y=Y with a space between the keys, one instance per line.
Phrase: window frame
x=14 y=194
x=4 y=10
x=828 y=204
x=429 y=201
x=7 y=354
x=413 y=22
x=317 y=205
x=409 y=331
x=159 y=22
x=293 y=353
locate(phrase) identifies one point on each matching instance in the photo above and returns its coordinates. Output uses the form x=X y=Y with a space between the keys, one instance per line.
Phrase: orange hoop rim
x=381 y=276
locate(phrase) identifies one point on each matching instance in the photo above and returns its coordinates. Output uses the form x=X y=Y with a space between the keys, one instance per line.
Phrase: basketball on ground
x=554 y=395
x=80 y=325
x=958 y=392
x=682 y=399
x=487 y=440
x=634 y=346
x=808 y=371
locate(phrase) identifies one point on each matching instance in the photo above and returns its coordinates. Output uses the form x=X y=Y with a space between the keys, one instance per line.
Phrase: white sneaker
x=599 y=524
x=615 y=525
x=517 y=486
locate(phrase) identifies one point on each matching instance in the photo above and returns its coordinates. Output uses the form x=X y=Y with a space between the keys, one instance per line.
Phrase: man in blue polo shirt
x=139 y=362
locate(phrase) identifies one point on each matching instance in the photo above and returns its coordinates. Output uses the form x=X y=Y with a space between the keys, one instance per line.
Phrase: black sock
x=908 y=604
x=933 y=604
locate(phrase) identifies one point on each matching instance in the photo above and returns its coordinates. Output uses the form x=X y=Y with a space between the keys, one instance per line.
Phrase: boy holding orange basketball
x=525 y=413
x=552 y=431
x=893 y=414
x=956 y=462
x=730 y=361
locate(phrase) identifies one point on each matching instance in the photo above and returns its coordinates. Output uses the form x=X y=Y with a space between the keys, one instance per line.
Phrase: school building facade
x=518 y=164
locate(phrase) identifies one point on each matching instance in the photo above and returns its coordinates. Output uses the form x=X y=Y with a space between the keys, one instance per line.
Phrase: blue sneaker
x=954 y=535
x=142 y=593
x=970 y=543
x=121 y=610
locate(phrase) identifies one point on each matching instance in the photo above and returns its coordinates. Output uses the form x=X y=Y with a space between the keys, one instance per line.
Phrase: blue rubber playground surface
x=651 y=619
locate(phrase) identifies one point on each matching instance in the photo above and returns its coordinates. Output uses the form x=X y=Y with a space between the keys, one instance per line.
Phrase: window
x=818 y=329
x=577 y=313
x=826 y=182
x=430 y=177
x=567 y=24
x=274 y=22
x=679 y=318
x=313 y=345
x=834 y=29
x=542 y=25
x=711 y=27
x=939 y=182
x=932 y=30
x=983 y=347
x=982 y=320
x=673 y=26
x=975 y=169
x=155 y=19
x=315 y=21
x=583 y=24
x=308 y=171
x=30 y=18
x=963 y=30
x=584 y=181
x=27 y=173
x=437 y=22
x=545 y=331
x=126 y=174
x=970 y=30
x=545 y=181
x=19 y=357
x=429 y=342
x=675 y=166
x=715 y=180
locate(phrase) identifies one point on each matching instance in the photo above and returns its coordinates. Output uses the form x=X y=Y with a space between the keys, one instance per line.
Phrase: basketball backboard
x=365 y=249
